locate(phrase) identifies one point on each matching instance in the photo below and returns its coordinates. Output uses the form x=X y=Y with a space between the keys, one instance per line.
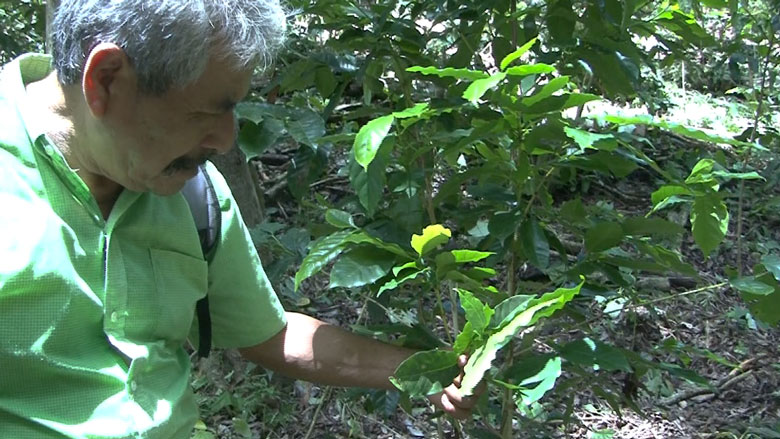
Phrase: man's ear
x=107 y=73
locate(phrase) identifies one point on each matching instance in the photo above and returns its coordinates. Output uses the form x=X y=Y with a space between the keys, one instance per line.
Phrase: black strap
x=204 y=205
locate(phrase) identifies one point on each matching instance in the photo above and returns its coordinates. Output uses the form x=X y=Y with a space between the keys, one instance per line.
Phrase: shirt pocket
x=181 y=280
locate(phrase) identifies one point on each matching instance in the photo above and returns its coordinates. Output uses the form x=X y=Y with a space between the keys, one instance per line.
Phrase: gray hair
x=168 y=42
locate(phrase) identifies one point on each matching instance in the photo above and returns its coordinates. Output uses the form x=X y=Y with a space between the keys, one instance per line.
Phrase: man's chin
x=172 y=184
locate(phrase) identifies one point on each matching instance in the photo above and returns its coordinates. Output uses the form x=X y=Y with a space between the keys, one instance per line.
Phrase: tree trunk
x=235 y=168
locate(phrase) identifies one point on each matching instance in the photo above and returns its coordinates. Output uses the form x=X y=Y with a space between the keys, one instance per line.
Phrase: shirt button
x=114 y=316
x=133 y=386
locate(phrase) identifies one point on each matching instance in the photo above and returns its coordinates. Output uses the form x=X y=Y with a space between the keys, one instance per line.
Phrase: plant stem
x=508 y=403
x=756 y=120
x=675 y=296
x=455 y=319
x=443 y=315
x=325 y=396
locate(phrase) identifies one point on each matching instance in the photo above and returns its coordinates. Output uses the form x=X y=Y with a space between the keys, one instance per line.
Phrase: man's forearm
x=315 y=351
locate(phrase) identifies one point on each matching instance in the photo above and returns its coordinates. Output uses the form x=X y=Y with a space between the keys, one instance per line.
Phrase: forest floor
x=711 y=327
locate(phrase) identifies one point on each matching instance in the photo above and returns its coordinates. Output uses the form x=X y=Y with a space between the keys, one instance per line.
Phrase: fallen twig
x=739 y=373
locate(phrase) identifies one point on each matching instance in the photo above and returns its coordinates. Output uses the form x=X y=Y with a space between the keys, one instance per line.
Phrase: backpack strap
x=204 y=206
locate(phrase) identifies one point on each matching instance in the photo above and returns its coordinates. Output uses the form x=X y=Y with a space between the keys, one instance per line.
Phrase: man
x=100 y=264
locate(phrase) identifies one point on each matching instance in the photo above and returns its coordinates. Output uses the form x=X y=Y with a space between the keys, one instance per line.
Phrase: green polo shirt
x=94 y=313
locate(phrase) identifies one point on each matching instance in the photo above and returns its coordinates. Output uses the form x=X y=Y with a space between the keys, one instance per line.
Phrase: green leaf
x=339 y=219
x=370 y=138
x=369 y=185
x=503 y=224
x=415 y=111
x=363 y=238
x=577 y=99
x=426 y=372
x=603 y=236
x=675 y=128
x=360 y=266
x=658 y=227
x=531 y=69
x=547 y=90
x=395 y=283
x=588 y=352
x=535 y=244
x=508 y=309
x=325 y=81
x=574 y=212
x=478 y=88
x=586 y=139
x=432 y=237
x=449 y=72
x=727 y=175
x=667 y=191
x=463 y=340
x=601 y=434
x=464 y=256
x=517 y=53
x=750 y=285
x=307 y=128
x=477 y=313
x=480 y=361
x=546 y=381
x=255 y=138
x=322 y=252
x=772 y=264
x=710 y=222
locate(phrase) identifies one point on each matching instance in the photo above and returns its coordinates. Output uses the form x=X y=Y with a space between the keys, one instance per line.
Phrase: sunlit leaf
x=666 y=191
x=677 y=129
x=480 y=361
x=607 y=433
x=586 y=139
x=463 y=256
x=395 y=283
x=508 y=309
x=517 y=53
x=415 y=111
x=547 y=90
x=370 y=138
x=546 y=381
x=531 y=69
x=432 y=237
x=478 y=88
x=449 y=72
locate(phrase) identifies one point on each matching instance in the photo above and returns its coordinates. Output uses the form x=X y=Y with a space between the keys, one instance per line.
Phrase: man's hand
x=452 y=402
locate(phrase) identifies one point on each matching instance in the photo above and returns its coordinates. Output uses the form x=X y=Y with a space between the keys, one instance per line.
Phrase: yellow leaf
x=432 y=237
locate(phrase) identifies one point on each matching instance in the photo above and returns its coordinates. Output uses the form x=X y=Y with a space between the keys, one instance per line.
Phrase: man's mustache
x=185 y=164
x=189 y=163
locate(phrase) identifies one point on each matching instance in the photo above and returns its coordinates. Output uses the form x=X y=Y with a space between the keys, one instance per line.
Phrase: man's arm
x=312 y=350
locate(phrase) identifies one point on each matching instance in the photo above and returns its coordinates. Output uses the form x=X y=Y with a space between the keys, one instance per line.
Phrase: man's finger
x=454 y=410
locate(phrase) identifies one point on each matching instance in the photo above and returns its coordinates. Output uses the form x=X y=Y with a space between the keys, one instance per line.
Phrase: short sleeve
x=244 y=308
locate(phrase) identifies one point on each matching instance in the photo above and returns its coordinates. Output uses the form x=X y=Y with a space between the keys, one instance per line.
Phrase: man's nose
x=224 y=134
